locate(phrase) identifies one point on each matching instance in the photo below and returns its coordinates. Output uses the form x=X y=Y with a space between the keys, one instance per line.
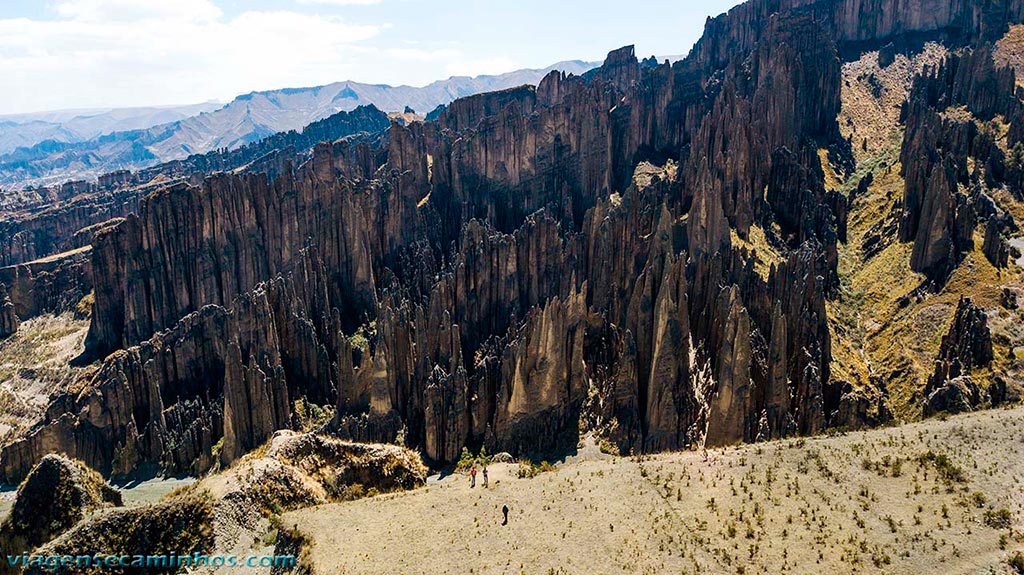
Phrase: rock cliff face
x=66 y=218
x=647 y=251
x=52 y=285
x=34 y=234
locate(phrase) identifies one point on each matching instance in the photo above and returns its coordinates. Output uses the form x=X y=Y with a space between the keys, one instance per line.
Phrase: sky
x=69 y=54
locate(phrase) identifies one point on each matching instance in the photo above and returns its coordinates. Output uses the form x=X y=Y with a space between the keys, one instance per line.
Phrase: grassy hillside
x=887 y=328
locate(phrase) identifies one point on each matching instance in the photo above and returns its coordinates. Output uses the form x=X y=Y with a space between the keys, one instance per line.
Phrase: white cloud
x=341 y=2
x=132 y=52
x=419 y=55
x=131 y=10
x=116 y=53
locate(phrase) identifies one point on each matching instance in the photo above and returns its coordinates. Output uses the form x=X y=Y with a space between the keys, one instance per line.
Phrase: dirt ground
x=925 y=497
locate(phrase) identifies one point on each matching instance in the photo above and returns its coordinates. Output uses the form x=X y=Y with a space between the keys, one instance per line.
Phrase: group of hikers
x=472 y=483
x=478 y=466
x=472 y=476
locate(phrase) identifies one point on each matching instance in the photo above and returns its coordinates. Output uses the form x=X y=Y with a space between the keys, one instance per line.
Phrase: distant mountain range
x=68 y=126
x=61 y=148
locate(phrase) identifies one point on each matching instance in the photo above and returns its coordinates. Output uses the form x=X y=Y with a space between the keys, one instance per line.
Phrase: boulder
x=957 y=395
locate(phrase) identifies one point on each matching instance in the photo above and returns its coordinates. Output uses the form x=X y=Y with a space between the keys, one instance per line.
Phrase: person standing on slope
x=472 y=477
x=485 y=476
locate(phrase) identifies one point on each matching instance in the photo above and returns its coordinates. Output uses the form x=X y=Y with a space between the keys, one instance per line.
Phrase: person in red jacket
x=472 y=477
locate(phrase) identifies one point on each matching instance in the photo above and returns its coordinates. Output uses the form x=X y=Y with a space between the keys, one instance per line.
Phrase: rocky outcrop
x=967 y=345
x=766 y=348
x=55 y=495
x=178 y=527
x=52 y=285
x=8 y=319
x=948 y=226
x=542 y=383
x=858 y=408
x=336 y=463
x=153 y=403
x=996 y=246
x=730 y=407
x=222 y=239
x=943 y=200
x=445 y=413
x=858 y=26
x=301 y=470
x=956 y=395
x=66 y=222
x=60 y=227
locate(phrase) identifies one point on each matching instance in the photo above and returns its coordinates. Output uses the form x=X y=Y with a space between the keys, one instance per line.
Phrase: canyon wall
x=532 y=264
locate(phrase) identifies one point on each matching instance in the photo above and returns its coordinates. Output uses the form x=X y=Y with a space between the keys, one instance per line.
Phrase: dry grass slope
x=885 y=330
x=940 y=496
x=34 y=363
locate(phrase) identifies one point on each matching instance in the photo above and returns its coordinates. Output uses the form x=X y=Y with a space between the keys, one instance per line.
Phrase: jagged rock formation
x=338 y=463
x=55 y=495
x=60 y=226
x=956 y=395
x=967 y=345
x=648 y=250
x=305 y=469
x=8 y=319
x=950 y=156
x=246 y=119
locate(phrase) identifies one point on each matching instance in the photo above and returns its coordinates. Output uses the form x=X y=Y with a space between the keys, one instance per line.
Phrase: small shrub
x=897 y=467
x=998 y=519
x=528 y=469
x=483 y=458
x=606 y=447
x=465 y=461
x=1016 y=562
x=978 y=499
x=83 y=309
x=948 y=471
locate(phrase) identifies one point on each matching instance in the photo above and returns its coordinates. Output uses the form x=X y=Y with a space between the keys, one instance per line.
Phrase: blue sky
x=104 y=53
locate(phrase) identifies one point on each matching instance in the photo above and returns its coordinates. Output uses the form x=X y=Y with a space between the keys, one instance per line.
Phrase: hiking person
x=485 y=476
x=504 y=511
x=472 y=477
